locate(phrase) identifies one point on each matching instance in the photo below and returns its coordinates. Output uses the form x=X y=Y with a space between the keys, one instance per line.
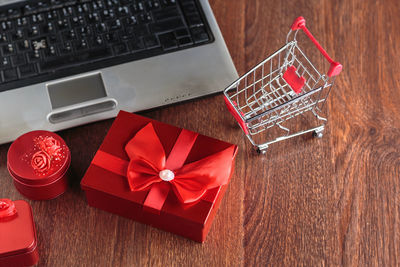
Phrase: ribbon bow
x=149 y=169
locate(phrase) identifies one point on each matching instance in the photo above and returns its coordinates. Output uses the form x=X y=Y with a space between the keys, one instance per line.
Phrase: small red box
x=109 y=190
x=18 y=245
x=38 y=162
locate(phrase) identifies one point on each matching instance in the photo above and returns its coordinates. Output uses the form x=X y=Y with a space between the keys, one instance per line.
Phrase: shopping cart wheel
x=319 y=134
x=261 y=151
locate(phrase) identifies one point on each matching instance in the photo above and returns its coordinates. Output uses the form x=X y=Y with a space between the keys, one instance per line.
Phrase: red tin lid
x=38 y=158
x=18 y=234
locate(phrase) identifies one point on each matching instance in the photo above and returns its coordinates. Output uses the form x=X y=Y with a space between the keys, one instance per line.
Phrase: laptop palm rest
x=78 y=97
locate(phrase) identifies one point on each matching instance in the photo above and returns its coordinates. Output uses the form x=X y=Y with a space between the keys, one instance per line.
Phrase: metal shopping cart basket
x=279 y=89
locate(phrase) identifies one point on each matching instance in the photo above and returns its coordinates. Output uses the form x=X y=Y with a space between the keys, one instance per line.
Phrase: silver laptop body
x=96 y=95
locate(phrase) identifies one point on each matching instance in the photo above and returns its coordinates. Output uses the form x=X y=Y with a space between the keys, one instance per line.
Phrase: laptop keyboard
x=45 y=40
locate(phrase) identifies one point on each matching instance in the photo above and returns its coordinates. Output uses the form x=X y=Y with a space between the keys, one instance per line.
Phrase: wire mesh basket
x=277 y=90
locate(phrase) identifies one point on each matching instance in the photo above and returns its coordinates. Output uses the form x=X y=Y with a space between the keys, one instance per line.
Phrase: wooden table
x=314 y=202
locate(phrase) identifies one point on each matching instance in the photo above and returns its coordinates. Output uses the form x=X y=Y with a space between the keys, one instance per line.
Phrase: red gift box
x=160 y=175
x=18 y=243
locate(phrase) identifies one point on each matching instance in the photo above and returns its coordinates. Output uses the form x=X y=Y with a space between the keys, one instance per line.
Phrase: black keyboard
x=45 y=40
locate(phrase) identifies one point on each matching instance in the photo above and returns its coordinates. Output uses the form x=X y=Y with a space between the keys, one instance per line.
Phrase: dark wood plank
x=314 y=202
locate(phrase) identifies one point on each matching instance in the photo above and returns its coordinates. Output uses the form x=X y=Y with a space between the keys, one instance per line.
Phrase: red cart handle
x=336 y=67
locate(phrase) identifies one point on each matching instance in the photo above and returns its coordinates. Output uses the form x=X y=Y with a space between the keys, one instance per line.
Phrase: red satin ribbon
x=147 y=159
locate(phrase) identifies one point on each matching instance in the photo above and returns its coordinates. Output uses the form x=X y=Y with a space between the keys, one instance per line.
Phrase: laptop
x=65 y=63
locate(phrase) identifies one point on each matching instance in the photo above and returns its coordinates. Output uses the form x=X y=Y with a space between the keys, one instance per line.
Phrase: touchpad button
x=76 y=90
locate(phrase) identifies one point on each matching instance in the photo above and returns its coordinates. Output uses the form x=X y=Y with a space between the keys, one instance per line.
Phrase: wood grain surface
x=309 y=202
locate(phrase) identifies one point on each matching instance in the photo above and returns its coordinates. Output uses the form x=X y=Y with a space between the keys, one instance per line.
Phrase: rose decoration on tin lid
x=50 y=150
x=7 y=208
x=51 y=146
x=41 y=161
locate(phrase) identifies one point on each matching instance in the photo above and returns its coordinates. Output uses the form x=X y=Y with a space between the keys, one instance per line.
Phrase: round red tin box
x=38 y=161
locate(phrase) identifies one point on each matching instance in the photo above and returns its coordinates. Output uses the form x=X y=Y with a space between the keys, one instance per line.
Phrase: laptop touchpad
x=78 y=90
x=78 y=98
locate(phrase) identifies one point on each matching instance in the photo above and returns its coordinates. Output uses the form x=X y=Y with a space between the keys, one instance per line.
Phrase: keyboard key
x=27 y=70
x=8 y=49
x=19 y=34
x=48 y=28
x=51 y=51
x=81 y=44
x=99 y=41
x=153 y=5
x=126 y=34
x=151 y=41
x=18 y=59
x=194 y=20
x=145 y=17
x=93 y=17
x=38 y=44
x=136 y=45
x=43 y=6
x=120 y=49
x=53 y=38
x=108 y=14
x=132 y=20
x=3 y=37
x=10 y=75
x=23 y=45
x=13 y=13
x=27 y=10
x=78 y=21
x=189 y=7
x=34 y=56
x=167 y=25
x=52 y=15
x=199 y=35
x=5 y=63
x=69 y=35
x=122 y=11
x=33 y=31
x=182 y=33
x=137 y=7
x=112 y=37
x=6 y=25
x=185 y=41
x=66 y=48
x=68 y=11
x=141 y=30
x=21 y=22
x=84 y=31
x=166 y=13
x=168 y=41
x=62 y=24
x=168 y=2
x=101 y=27
x=114 y=25
x=40 y=17
x=88 y=56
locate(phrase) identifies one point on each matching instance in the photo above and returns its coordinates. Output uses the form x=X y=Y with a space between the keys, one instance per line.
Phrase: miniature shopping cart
x=275 y=92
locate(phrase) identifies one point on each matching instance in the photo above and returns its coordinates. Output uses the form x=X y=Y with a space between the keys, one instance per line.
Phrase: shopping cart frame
x=267 y=101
